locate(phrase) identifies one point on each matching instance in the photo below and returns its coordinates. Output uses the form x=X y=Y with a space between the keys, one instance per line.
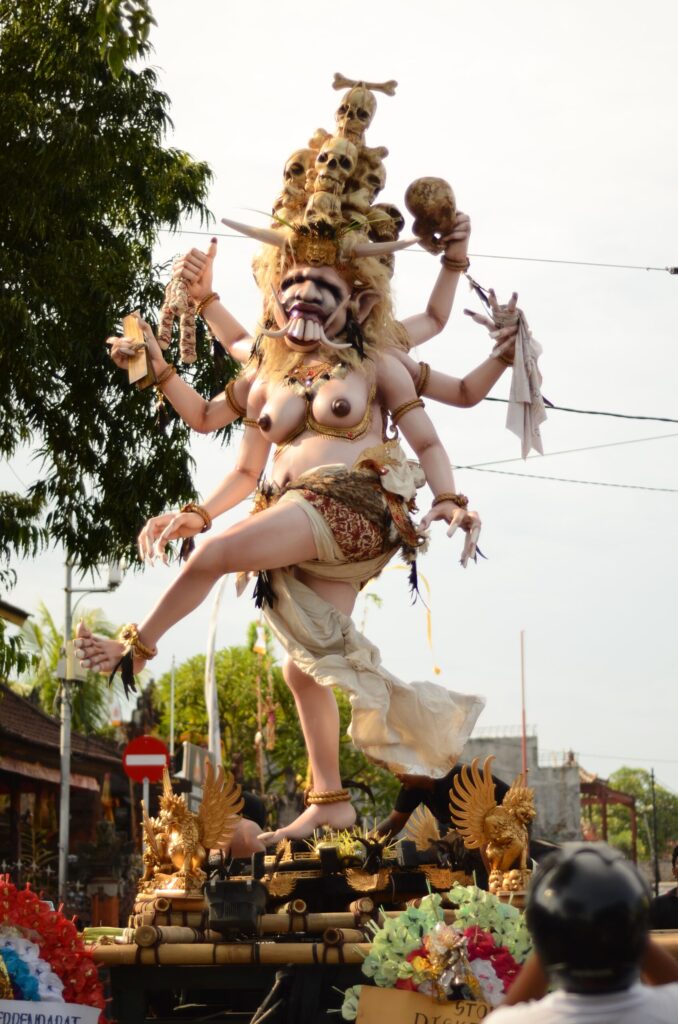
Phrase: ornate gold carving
x=499 y=831
x=176 y=843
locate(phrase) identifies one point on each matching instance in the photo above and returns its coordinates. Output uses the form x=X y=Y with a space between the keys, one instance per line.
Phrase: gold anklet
x=328 y=796
x=129 y=636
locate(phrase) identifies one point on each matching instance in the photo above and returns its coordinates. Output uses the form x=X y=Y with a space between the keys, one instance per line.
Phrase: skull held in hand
x=432 y=204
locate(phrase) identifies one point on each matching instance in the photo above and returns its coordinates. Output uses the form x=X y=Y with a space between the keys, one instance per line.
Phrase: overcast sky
x=555 y=124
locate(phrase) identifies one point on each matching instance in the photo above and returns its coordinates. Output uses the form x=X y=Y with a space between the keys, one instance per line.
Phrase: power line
x=569 y=480
x=595 y=412
x=573 y=263
x=620 y=757
x=477 y=255
x=567 y=451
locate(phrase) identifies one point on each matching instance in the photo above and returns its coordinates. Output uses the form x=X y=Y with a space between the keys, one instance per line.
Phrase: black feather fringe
x=264 y=593
x=126 y=673
x=186 y=549
x=218 y=358
x=354 y=335
x=413 y=580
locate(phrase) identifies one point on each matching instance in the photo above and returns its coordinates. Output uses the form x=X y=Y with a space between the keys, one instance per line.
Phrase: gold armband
x=422 y=379
x=233 y=401
x=406 y=407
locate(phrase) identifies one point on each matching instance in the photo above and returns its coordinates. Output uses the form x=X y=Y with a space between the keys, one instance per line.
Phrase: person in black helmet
x=588 y=914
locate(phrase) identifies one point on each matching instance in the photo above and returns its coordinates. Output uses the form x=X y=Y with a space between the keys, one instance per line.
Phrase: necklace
x=307 y=380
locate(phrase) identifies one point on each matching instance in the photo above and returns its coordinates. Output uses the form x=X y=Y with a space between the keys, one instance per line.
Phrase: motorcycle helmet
x=587 y=912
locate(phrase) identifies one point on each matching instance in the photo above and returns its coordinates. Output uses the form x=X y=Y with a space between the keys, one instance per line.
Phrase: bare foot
x=339 y=815
x=100 y=653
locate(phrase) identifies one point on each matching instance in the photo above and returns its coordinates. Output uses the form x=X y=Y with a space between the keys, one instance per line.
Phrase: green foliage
x=637 y=782
x=236 y=670
x=90 y=697
x=123 y=27
x=86 y=185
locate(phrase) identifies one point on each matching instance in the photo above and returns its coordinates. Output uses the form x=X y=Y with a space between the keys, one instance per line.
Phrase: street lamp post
x=69 y=672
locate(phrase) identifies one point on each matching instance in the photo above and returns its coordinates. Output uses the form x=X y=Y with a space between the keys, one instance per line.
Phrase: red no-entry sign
x=145 y=758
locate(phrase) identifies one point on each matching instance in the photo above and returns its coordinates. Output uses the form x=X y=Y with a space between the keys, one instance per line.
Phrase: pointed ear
x=363 y=303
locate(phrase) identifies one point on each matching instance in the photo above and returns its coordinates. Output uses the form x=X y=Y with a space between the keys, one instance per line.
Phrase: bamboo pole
x=208 y=954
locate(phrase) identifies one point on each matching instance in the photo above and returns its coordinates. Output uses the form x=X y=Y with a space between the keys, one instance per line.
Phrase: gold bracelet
x=204 y=303
x=422 y=380
x=129 y=636
x=165 y=375
x=460 y=500
x=247 y=422
x=199 y=511
x=233 y=401
x=505 y=360
x=328 y=796
x=406 y=407
x=459 y=266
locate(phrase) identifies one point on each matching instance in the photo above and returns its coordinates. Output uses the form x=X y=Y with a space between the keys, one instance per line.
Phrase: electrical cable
x=476 y=255
x=595 y=412
x=570 y=480
x=567 y=451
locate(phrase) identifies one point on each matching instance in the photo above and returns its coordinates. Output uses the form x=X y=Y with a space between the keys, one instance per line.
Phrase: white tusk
x=281 y=308
x=340 y=308
x=332 y=344
x=381 y=248
x=272 y=334
x=265 y=235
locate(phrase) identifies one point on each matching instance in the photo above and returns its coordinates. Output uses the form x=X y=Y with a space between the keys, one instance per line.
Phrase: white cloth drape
x=417 y=728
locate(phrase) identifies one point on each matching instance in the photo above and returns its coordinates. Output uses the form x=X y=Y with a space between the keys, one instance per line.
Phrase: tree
x=236 y=670
x=91 y=697
x=637 y=782
x=86 y=185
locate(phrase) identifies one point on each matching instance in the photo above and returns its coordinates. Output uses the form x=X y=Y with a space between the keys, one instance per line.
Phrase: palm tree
x=44 y=640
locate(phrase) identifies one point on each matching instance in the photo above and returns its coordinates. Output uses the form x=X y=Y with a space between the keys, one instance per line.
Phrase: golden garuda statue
x=499 y=831
x=178 y=841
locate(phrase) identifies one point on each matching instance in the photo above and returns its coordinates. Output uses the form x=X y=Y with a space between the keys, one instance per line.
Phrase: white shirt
x=640 y=1004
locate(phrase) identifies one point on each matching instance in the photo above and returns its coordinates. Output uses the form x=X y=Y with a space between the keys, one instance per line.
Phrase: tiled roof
x=21 y=718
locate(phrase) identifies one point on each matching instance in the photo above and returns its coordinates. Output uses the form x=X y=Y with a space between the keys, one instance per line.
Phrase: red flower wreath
x=481 y=945
x=58 y=941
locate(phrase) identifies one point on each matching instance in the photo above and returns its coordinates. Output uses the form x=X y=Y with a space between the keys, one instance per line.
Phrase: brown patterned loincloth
x=354 y=506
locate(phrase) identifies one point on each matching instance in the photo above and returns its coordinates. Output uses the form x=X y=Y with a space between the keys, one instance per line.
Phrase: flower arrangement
x=42 y=959
x=475 y=957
